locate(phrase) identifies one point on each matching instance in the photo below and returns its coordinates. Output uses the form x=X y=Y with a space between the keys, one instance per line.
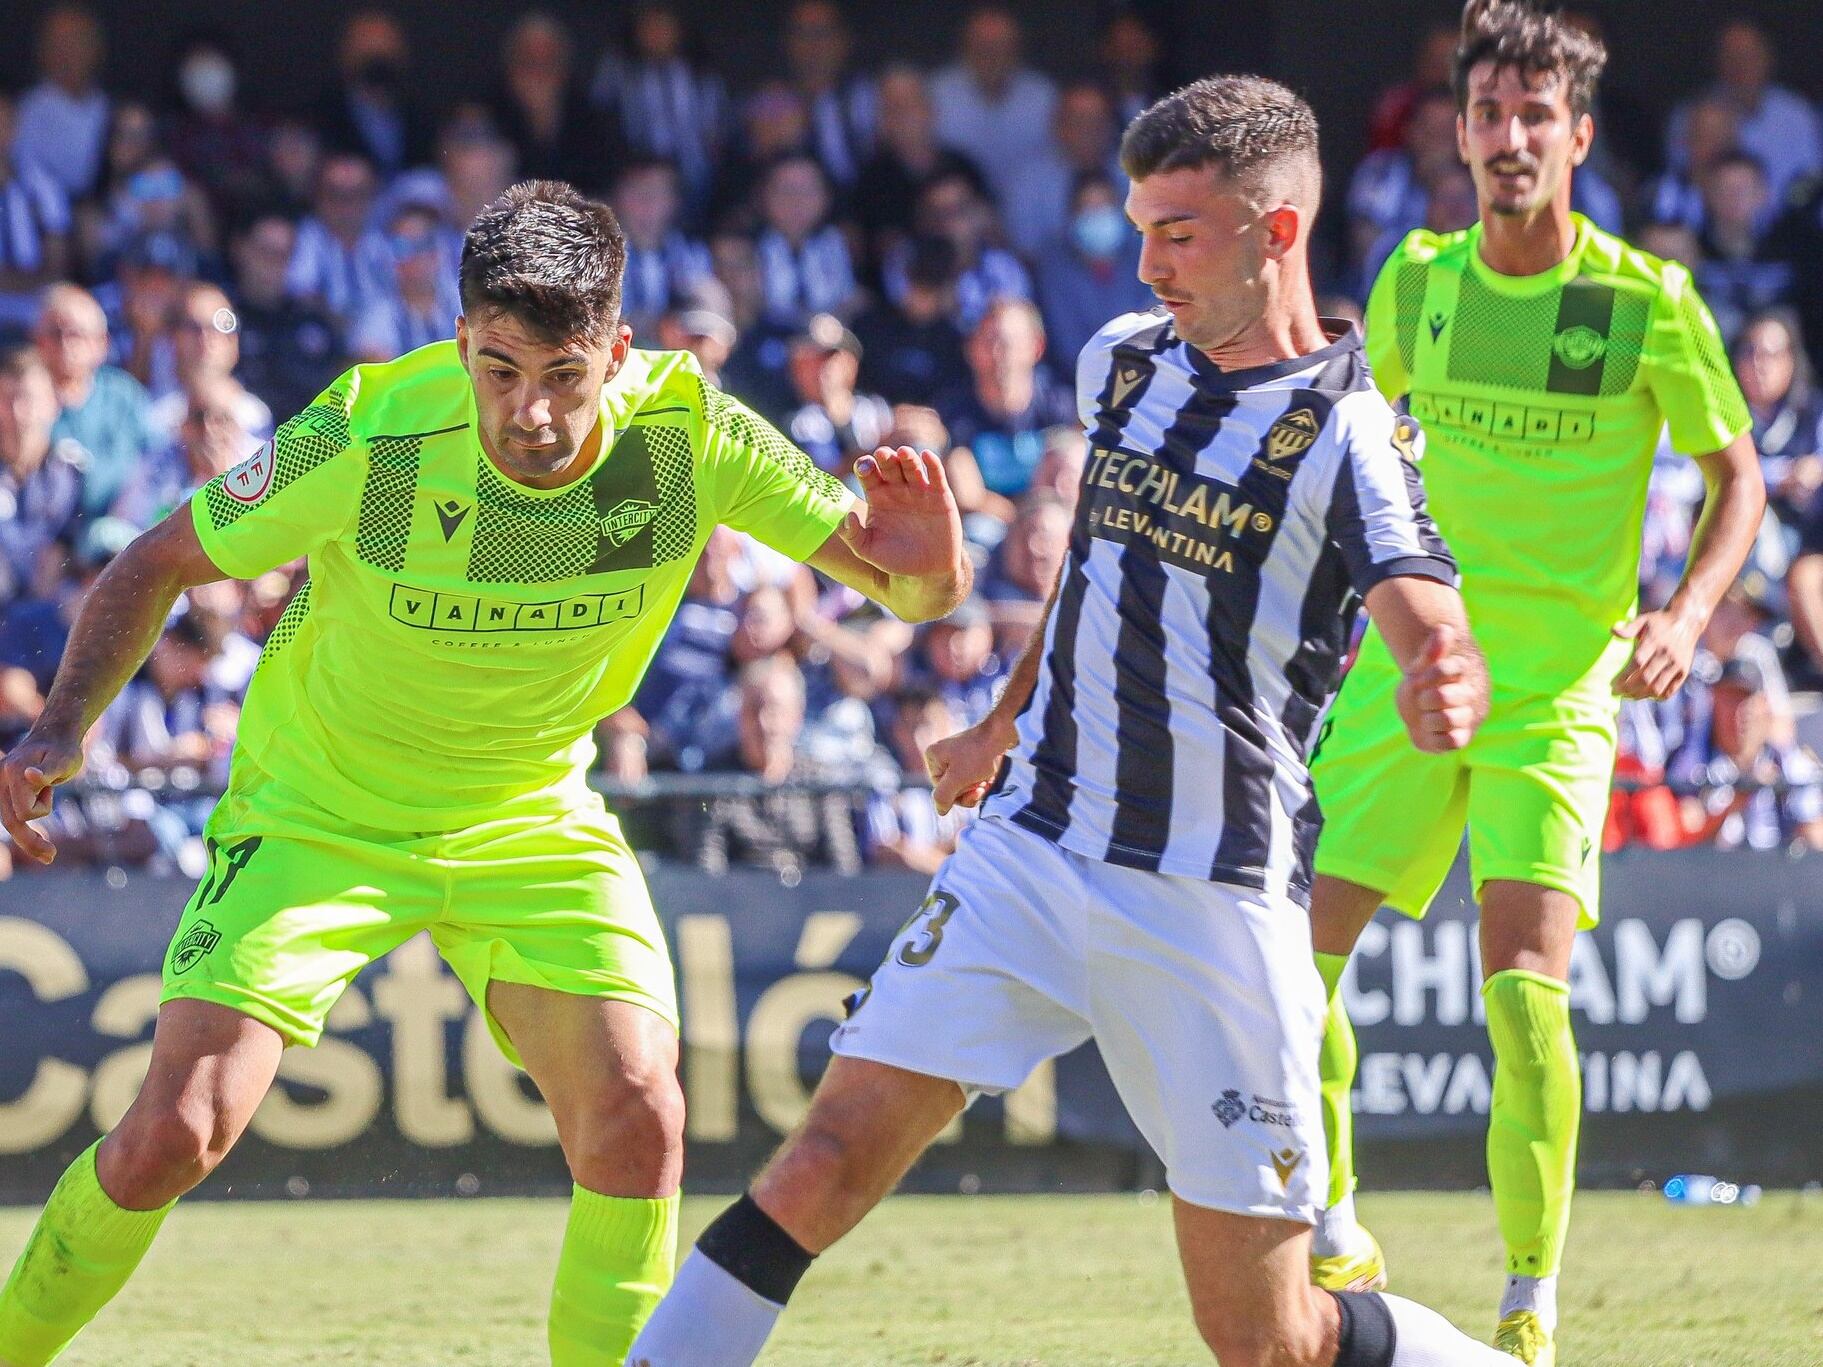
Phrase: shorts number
x=917 y=953
x=216 y=885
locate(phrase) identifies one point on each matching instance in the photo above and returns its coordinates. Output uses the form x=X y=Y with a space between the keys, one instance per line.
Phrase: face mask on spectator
x=207 y=82
x=1098 y=232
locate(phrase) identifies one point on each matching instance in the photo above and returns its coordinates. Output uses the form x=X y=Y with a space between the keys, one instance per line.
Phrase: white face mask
x=207 y=81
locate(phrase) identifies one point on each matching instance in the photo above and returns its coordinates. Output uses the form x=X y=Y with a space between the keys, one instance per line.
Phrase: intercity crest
x=1579 y=347
x=199 y=940
x=1291 y=435
x=626 y=520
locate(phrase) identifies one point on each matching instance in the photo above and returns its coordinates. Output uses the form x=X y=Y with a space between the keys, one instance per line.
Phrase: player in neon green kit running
x=498 y=532
x=1542 y=358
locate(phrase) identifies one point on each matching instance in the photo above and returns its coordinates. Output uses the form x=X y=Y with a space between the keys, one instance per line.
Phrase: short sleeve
x=1376 y=516
x=1687 y=369
x=289 y=498
x=765 y=485
x=1391 y=323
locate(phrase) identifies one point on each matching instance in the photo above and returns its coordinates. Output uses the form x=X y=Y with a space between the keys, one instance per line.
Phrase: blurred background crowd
x=880 y=254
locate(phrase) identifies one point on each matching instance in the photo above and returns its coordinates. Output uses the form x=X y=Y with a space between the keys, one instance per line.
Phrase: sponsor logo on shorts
x=1230 y=1108
x=1266 y=1111
x=198 y=941
x=1285 y=1162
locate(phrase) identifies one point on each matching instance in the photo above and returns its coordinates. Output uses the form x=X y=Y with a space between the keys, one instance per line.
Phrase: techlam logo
x=249 y=481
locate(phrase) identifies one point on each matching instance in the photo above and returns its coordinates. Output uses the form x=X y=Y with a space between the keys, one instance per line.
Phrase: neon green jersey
x=461 y=634
x=1543 y=397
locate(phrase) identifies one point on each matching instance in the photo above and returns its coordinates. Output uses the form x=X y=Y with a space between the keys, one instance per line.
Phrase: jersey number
x=216 y=885
x=939 y=906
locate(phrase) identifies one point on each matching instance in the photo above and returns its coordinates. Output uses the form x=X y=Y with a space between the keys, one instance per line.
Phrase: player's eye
x=1178 y=240
x=500 y=373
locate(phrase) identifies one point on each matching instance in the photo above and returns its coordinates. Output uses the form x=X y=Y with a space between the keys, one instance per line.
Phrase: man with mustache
x=1543 y=356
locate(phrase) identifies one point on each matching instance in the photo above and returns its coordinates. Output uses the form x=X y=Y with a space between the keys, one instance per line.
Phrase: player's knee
x=628 y=1137
x=158 y=1155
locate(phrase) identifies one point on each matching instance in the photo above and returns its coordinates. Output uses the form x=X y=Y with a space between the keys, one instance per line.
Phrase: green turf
x=951 y=1280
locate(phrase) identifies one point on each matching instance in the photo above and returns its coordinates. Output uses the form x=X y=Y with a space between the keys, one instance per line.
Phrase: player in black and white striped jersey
x=1140 y=872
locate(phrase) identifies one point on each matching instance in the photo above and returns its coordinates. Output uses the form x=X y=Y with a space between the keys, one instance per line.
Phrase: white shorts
x=1203 y=998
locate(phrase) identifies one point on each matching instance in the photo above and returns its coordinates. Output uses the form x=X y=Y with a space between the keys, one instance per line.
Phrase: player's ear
x=1462 y=138
x=1282 y=229
x=1582 y=138
x=462 y=340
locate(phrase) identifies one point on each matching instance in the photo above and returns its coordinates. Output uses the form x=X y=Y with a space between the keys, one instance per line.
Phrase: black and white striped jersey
x=1228 y=526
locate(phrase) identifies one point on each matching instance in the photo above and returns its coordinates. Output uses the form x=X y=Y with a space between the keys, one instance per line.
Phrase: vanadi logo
x=1579 y=347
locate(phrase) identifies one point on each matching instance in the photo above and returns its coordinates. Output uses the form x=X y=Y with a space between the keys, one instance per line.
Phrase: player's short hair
x=550 y=258
x=1251 y=129
x=1512 y=33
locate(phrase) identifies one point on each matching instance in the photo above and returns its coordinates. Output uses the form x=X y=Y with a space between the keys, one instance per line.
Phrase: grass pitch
x=945 y=1280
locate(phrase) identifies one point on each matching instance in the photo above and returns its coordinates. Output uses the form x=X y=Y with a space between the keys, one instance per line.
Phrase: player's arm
x=1664 y=641
x=1443 y=696
x=962 y=767
x=903 y=546
x=119 y=623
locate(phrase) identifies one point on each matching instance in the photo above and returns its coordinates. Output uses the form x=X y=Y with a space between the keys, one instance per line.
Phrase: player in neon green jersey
x=498 y=531
x=1541 y=358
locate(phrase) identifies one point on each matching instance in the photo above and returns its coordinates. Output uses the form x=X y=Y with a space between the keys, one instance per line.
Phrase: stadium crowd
x=890 y=256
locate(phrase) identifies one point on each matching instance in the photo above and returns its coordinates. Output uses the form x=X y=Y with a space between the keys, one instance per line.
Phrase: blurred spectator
x=803 y=258
x=775 y=125
x=903 y=828
x=1804 y=590
x=1433 y=68
x=955 y=657
x=211 y=438
x=34 y=230
x=951 y=205
x=988 y=104
x=1025 y=565
x=1449 y=206
x=1796 y=238
x=217 y=143
x=756 y=367
x=340 y=262
x=1776 y=125
x=665 y=268
x=1129 y=62
x=478 y=167
x=1671 y=242
x=1091 y=273
x=1737 y=275
x=370 y=112
x=63 y=119
x=1001 y=416
x=294 y=155
x=906 y=156
x=911 y=348
x=101 y=408
x=154 y=201
x=205 y=348
x=1386 y=194
x=141 y=304
x=418 y=303
x=689 y=671
x=783 y=829
x=833 y=423
x=1059 y=472
x=705 y=332
x=1711 y=131
x=289 y=350
x=40 y=475
x=667 y=103
x=544 y=113
x=843 y=104
x=1756 y=792
x=34 y=631
x=1776 y=379
x=1083 y=141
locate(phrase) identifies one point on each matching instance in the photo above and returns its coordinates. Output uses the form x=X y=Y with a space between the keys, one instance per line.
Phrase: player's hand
x=909 y=526
x=27 y=775
x=1444 y=698
x=1663 y=644
x=962 y=767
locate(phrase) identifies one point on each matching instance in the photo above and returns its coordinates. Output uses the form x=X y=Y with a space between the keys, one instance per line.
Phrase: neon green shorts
x=296 y=903
x=1532 y=788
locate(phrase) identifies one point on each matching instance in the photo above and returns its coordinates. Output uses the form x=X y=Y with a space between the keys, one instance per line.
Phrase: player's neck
x=1527 y=244
x=1288 y=328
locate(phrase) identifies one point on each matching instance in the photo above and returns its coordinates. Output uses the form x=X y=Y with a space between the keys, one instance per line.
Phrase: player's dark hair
x=550 y=258
x=1243 y=125
x=1513 y=33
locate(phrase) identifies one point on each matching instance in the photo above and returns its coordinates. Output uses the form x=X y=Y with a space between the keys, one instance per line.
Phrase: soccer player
x=498 y=531
x=1139 y=873
x=1544 y=357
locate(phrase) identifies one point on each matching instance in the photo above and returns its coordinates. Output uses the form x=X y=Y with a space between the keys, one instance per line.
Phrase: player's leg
x=1392 y=823
x=1254 y=1304
x=608 y=1071
x=210 y=1067
x=1538 y=797
x=980 y=986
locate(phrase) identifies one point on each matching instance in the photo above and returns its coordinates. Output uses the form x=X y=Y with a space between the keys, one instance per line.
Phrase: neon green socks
x=619 y=1255
x=1537 y=1112
x=83 y=1250
x=1336 y=1069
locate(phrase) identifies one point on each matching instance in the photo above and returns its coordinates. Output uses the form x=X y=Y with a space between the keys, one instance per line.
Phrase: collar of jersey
x=619 y=398
x=1551 y=279
x=1211 y=373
